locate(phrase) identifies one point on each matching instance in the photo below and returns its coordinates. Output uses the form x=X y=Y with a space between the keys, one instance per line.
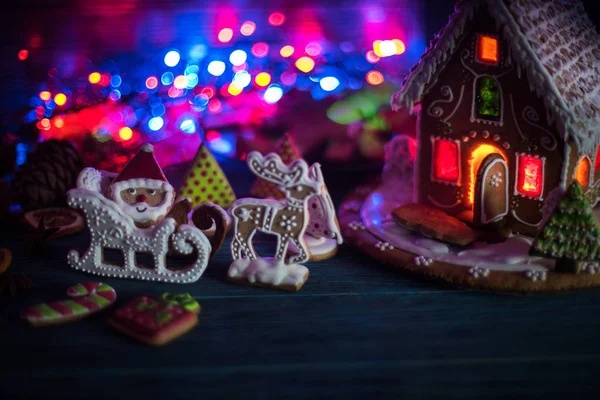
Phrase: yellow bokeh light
x=234 y=90
x=180 y=82
x=94 y=77
x=263 y=79
x=400 y=46
x=286 y=51
x=125 y=133
x=45 y=95
x=59 y=122
x=305 y=64
x=60 y=99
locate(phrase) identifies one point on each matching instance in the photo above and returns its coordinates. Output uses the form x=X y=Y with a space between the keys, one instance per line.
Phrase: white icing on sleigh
x=110 y=228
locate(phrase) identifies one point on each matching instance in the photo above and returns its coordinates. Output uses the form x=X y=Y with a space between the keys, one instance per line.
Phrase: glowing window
x=487 y=49
x=487 y=101
x=530 y=175
x=597 y=163
x=582 y=172
x=445 y=161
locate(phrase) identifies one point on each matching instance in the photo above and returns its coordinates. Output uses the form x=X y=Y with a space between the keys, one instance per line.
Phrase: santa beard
x=142 y=213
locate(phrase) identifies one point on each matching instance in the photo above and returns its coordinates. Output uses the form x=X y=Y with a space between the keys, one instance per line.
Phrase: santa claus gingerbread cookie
x=130 y=213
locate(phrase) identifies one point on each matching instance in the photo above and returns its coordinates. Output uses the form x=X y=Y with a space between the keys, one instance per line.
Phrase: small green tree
x=570 y=234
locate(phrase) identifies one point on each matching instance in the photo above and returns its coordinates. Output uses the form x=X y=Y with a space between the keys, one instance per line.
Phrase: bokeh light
x=23 y=54
x=400 y=46
x=172 y=58
x=156 y=123
x=167 y=78
x=260 y=49
x=188 y=126
x=288 y=78
x=234 y=90
x=263 y=79
x=305 y=64
x=329 y=83
x=374 y=78
x=151 y=82
x=273 y=94
x=372 y=57
x=45 y=95
x=241 y=79
x=216 y=68
x=238 y=57
x=225 y=35
x=180 y=82
x=60 y=99
x=247 y=28
x=94 y=77
x=125 y=133
x=286 y=51
x=313 y=49
x=214 y=105
x=276 y=19
x=59 y=122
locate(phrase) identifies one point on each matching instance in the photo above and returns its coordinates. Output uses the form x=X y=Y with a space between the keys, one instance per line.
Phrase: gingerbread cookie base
x=266 y=273
x=504 y=267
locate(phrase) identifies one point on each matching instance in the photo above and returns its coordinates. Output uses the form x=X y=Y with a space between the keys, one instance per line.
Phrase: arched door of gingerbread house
x=491 y=190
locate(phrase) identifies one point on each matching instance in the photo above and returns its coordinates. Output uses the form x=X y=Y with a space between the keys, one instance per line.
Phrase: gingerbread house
x=508 y=103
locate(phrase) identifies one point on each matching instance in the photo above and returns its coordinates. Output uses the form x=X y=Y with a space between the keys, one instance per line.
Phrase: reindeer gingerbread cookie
x=287 y=220
x=132 y=213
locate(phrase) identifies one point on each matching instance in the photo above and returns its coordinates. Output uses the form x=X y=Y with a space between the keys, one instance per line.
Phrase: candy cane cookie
x=86 y=298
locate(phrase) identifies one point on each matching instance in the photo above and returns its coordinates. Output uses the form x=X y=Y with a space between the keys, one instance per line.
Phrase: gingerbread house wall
x=524 y=128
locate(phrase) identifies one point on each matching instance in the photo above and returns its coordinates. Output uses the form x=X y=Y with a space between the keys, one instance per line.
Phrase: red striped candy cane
x=86 y=298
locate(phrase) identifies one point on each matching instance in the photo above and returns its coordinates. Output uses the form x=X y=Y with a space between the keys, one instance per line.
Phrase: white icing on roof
x=552 y=40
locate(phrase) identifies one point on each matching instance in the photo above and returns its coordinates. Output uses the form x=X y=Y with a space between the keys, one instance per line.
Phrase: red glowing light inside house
x=487 y=49
x=260 y=49
x=225 y=35
x=248 y=28
x=375 y=78
x=23 y=54
x=276 y=19
x=94 y=77
x=151 y=82
x=597 y=163
x=529 y=176
x=582 y=172
x=445 y=160
x=45 y=95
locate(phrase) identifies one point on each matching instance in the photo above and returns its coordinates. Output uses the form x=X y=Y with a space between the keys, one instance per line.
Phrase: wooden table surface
x=356 y=330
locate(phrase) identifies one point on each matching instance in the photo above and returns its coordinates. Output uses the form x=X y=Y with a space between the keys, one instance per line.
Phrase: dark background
x=356 y=330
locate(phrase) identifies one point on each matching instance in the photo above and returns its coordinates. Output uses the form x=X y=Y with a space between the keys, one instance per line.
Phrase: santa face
x=145 y=204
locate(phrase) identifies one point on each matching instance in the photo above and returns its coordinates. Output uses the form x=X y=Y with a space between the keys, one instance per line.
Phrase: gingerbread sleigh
x=129 y=213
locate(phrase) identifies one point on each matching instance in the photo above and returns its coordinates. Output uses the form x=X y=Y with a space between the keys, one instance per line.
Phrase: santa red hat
x=141 y=171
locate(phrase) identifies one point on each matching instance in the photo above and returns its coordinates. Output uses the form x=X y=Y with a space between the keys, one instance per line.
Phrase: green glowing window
x=487 y=101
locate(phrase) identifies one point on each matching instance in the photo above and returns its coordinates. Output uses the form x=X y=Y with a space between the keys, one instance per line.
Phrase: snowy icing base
x=510 y=255
x=268 y=271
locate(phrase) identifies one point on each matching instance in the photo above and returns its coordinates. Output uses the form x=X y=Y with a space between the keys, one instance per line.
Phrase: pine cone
x=51 y=170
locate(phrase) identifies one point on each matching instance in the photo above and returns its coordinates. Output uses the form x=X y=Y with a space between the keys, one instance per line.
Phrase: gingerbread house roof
x=553 y=41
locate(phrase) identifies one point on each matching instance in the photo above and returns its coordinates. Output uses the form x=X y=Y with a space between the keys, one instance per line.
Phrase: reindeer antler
x=316 y=173
x=271 y=168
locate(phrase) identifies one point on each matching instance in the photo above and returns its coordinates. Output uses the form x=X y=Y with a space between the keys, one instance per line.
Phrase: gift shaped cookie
x=154 y=322
x=130 y=213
